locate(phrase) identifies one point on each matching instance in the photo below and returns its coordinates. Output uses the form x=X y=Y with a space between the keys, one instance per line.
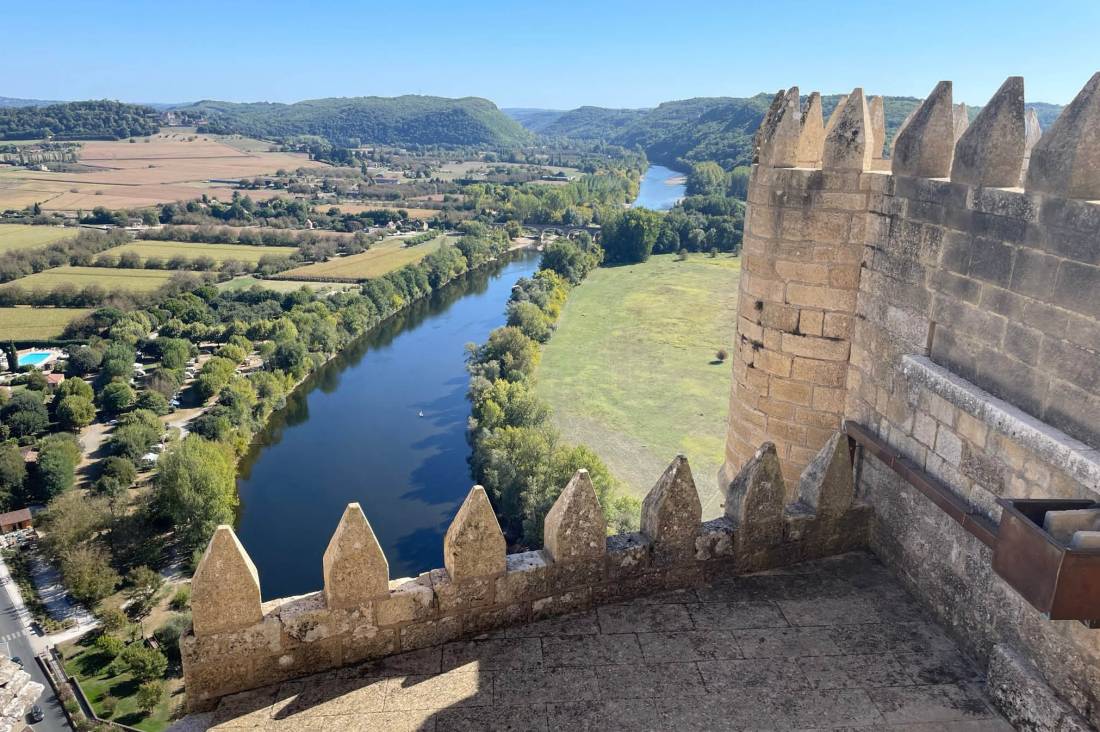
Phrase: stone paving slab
x=834 y=644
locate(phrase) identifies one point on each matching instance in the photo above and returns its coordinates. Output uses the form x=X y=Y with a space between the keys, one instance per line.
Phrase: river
x=661 y=188
x=352 y=432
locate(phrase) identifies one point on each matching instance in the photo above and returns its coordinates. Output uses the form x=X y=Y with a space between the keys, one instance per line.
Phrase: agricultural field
x=631 y=337
x=358 y=208
x=174 y=165
x=110 y=279
x=32 y=324
x=479 y=169
x=23 y=236
x=244 y=283
x=166 y=250
x=386 y=256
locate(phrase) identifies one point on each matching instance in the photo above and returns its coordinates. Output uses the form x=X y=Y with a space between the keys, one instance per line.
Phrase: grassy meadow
x=24 y=236
x=243 y=283
x=29 y=324
x=165 y=250
x=631 y=370
x=129 y=280
x=386 y=256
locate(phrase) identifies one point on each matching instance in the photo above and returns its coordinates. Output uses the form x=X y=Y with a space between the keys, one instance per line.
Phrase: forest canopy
x=94 y=120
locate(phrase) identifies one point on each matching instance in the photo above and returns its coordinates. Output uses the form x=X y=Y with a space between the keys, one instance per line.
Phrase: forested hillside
x=95 y=120
x=348 y=121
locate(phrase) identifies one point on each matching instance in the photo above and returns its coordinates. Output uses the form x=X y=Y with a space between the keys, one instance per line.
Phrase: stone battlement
x=239 y=643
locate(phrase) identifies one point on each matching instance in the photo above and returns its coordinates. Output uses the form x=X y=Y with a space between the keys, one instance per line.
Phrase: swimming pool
x=34 y=358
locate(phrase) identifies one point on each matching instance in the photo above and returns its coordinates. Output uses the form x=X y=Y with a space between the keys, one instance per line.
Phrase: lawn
x=631 y=370
x=243 y=283
x=32 y=324
x=220 y=252
x=383 y=257
x=90 y=667
x=25 y=236
x=110 y=279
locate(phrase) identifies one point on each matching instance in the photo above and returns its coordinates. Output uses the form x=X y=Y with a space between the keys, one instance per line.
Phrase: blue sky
x=534 y=53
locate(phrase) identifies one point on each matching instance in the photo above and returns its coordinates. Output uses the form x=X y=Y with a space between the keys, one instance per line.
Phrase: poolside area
x=37 y=357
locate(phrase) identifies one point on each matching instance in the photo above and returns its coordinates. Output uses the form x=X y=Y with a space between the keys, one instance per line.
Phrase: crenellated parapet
x=238 y=643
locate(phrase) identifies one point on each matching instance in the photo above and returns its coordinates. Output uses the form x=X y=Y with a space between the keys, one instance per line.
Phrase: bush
x=121 y=469
x=169 y=634
x=722 y=354
x=109 y=645
x=112 y=619
x=146 y=664
x=182 y=599
x=88 y=574
x=149 y=695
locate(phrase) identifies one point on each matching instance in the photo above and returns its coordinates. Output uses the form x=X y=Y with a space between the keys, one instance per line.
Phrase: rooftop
x=835 y=643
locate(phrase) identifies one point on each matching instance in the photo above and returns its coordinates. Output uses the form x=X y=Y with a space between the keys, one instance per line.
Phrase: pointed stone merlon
x=355 y=568
x=1032 y=132
x=758 y=492
x=901 y=128
x=960 y=120
x=1066 y=159
x=225 y=591
x=991 y=151
x=827 y=486
x=838 y=110
x=575 y=528
x=780 y=133
x=848 y=144
x=767 y=124
x=672 y=512
x=474 y=545
x=876 y=109
x=925 y=147
x=811 y=138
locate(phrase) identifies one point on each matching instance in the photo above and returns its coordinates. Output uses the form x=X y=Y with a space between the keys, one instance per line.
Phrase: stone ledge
x=1023 y=696
x=1059 y=449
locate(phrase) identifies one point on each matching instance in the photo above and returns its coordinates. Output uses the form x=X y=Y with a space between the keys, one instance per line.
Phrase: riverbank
x=661 y=188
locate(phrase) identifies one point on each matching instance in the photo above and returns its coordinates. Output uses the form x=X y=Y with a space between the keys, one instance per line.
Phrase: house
x=15 y=520
x=54 y=378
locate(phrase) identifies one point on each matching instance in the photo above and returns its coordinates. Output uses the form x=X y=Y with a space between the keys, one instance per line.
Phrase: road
x=15 y=631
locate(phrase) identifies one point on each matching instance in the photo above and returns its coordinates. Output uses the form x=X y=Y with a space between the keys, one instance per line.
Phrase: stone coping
x=1062 y=451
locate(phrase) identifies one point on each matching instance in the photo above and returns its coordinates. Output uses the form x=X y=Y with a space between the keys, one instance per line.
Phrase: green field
x=243 y=283
x=631 y=370
x=24 y=236
x=108 y=692
x=386 y=256
x=220 y=252
x=32 y=324
x=109 y=278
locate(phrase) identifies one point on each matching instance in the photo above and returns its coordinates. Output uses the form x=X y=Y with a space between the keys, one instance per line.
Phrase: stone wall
x=974 y=340
x=239 y=643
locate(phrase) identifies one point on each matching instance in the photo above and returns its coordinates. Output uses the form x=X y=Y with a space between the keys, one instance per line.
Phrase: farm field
x=24 y=236
x=171 y=166
x=220 y=252
x=384 y=257
x=243 y=283
x=27 y=323
x=358 y=208
x=478 y=169
x=110 y=279
x=629 y=339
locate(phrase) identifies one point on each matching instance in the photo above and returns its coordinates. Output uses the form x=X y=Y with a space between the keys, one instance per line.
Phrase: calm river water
x=353 y=432
x=661 y=188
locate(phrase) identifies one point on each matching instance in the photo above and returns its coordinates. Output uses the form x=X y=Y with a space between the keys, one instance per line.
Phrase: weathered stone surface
x=876 y=110
x=1019 y=692
x=575 y=528
x=811 y=138
x=225 y=591
x=1032 y=132
x=838 y=110
x=409 y=600
x=991 y=151
x=355 y=569
x=671 y=511
x=827 y=486
x=1062 y=525
x=847 y=143
x=780 y=138
x=756 y=498
x=767 y=124
x=474 y=545
x=924 y=148
x=960 y=119
x=1066 y=159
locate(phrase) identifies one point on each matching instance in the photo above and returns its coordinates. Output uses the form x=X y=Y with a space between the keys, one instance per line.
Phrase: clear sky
x=535 y=53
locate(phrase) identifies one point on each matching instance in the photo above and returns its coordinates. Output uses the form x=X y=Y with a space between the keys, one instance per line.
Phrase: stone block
x=825 y=349
x=1066 y=159
x=430 y=632
x=715 y=539
x=575 y=529
x=827 y=486
x=457 y=595
x=811 y=138
x=408 y=600
x=991 y=150
x=780 y=133
x=671 y=512
x=474 y=545
x=924 y=147
x=848 y=136
x=526 y=577
x=355 y=569
x=628 y=554
x=756 y=498
x=225 y=591
x=1062 y=525
x=1077 y=288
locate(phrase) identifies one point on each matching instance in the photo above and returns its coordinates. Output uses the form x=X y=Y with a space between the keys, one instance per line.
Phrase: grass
x=90 y=667
x=220 y=252
x=631 y=370
x=24 y=236
x=110 y=279
x=383 y=257
x=243 y=283
x=30 y=324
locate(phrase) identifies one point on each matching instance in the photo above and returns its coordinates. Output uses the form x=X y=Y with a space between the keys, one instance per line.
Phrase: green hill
x=95 y=120
x=405 y=120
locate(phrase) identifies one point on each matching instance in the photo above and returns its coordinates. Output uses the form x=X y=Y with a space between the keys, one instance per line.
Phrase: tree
x=12 y=356
x=152 y=401
x=24 y=414
x=75 y=387
x=196 y=488
x=13 y=472
x=146 y=664
x=143 y=584
x=174 y=352
x=71 y=520
x=515 y=353
x=529 y=318
x=134 y=440
x=116 y=397
x=121 y=469
x=58 y=456
x=74 y=412
x=88 y=574
x=149 y=695
x=83 y=360
x=629 y=237
x=109 y=645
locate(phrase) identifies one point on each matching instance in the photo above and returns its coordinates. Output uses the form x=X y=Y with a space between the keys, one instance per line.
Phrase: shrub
x=149 y=695
x=181 y=599
x=109 y=645
x=88 y=574
x=121 y=469
x=169 y=633
x=112 y=619
x=722 y=354
x=144 y=663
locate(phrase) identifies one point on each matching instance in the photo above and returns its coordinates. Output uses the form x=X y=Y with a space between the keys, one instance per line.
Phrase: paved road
x=15 y=632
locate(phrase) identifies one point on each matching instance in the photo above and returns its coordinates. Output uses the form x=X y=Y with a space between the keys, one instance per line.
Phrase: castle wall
x=974 y=348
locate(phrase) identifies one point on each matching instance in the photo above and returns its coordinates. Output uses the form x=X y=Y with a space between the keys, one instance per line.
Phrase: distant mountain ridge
x=404 y=120
x=685 y=131
x=15 y=102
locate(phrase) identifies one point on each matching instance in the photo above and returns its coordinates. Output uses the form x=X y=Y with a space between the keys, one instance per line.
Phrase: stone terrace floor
x=831 y=644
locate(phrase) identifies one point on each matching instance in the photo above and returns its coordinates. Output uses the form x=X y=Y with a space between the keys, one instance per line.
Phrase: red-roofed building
x=15 y=520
